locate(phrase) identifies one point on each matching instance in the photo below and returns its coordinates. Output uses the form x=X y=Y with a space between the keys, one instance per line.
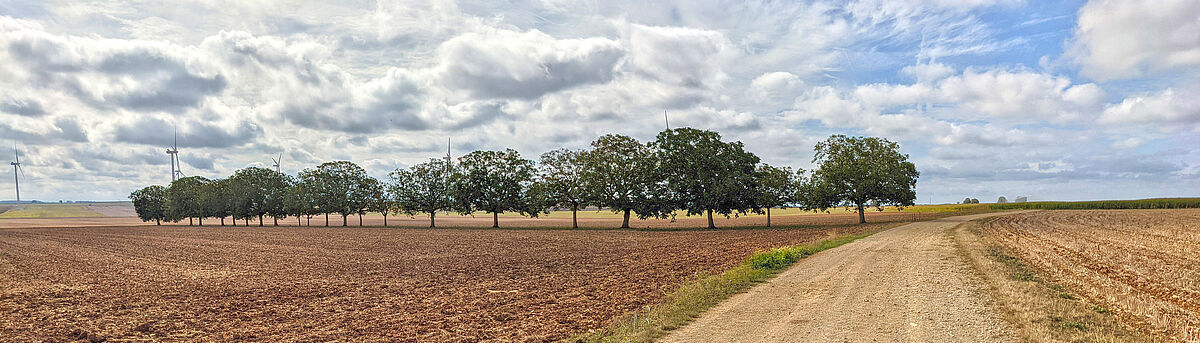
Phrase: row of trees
x=685 y=169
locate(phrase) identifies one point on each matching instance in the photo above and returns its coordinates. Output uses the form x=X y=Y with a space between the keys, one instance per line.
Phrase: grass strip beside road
x=694 y=297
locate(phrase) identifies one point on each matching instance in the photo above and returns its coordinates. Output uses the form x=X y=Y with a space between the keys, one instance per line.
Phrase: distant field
x=1160 y=203
x=1143 y=265
x=74 y=210
x=49 y=211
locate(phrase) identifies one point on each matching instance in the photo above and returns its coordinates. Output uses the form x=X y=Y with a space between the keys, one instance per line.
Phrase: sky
x=1053 y=100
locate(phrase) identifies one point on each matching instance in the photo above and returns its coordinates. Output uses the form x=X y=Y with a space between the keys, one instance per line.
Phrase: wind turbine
x=276 y=160
x=666 y=120
x=448 y=171
x=176 y=166
x=17 y=166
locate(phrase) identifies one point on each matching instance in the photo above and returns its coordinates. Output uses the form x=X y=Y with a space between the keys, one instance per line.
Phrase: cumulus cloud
x=23 y=107
x=507 y=64
x=385 y=83
x=1166 y=109
x=679 y=56
x=913 y=110
x=109 y=73
x=61 y=130
x=1117 y=39
x=192 y=133
x=1022 y=94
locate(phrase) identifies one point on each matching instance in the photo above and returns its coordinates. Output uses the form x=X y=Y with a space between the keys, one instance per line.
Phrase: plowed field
x=355 y=284
x=1142 y=264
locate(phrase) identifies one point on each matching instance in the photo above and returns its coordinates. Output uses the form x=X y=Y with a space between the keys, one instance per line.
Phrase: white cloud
x=774 y=85
x=679 y=56
x=1165 y=109
x=1128 y=143
x=507 y=64
x=1022 y=94
x=1118 y=39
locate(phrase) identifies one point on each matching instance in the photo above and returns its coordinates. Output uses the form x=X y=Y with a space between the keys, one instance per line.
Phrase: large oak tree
x=150 y=203
x=857 y=171
x=562 y=180
x=705 y=175
x=422 y=188
x=777 y=187
x=618 y=175
x=494 y=182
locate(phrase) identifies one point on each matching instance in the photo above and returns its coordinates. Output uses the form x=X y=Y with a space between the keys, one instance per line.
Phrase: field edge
x=698 y=295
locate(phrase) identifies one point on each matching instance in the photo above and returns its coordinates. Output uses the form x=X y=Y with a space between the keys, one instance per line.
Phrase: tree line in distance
x=681 y=169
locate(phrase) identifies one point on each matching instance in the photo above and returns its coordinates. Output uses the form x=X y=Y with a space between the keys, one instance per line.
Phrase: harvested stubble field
x=322 y=284
x=1142 y=264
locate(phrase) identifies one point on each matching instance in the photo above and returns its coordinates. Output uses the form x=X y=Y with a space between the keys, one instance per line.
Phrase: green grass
x=1160 y=203
x=49 y=211
x=694 y=297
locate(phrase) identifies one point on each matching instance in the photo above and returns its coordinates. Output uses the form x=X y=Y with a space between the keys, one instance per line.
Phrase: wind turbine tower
x=17 y=166
x=176 y=166
x=276 y=160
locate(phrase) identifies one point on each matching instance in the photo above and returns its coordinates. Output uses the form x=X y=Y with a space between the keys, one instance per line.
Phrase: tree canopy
x=494 y=182
x=704 y=174
x=150 y=203
x=562 y=182
x=338 y=187
x=777 y=187
x=856 y=171
x=422 y=188
x=185 y=198
x=618 y=174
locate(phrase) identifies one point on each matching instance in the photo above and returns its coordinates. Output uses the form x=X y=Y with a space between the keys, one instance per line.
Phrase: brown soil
x=1142 y=264
x=334 y=284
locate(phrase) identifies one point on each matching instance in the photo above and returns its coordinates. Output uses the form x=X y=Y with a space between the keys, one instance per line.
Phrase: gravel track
x=903 y=284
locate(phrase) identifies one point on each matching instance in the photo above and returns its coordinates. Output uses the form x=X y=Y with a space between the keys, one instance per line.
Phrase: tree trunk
x=200 y=220
x=234 y=220
x=247 y=221
x=222 y=220
x=432 y=214
x=862 y=217
x=260 y=220
x=495 y=220
x=768 y=216
x=574 y=215
x=276 y=220
x=625 y=223
x=327 y=220
x=360 y=219
x=157 y=222
x=385 y=219
x=710 y=220
x=344 y=220
x=189 y=221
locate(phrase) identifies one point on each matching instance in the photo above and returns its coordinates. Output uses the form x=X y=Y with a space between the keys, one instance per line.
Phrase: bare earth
x=905 y=284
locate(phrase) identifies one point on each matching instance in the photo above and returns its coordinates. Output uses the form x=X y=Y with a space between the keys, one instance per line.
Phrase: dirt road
x=906 y=284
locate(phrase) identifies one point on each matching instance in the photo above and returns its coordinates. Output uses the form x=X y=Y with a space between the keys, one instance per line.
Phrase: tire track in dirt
x=904 y=284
